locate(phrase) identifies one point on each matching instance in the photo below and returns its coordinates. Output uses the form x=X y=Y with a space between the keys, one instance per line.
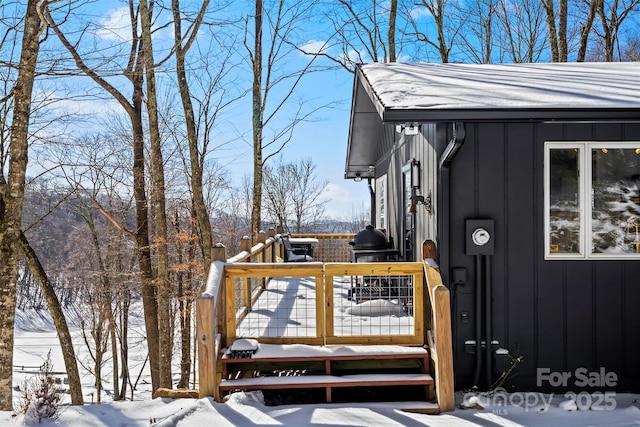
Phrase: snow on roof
x=505 y=86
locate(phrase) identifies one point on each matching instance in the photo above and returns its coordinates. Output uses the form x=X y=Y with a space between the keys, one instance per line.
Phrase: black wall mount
x=480 y=236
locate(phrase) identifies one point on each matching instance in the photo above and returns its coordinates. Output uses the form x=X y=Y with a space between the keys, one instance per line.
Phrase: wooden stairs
x=346 y=373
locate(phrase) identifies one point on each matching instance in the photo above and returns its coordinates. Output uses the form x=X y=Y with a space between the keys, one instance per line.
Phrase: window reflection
x=564 y=201
x=615 y=215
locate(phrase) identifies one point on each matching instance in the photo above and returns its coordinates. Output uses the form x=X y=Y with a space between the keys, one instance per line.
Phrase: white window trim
x=585 y=200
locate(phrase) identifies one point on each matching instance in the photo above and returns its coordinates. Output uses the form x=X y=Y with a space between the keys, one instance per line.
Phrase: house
x=527 y=178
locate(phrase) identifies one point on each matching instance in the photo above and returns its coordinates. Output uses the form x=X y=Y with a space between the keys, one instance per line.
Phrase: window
x=409 y=210
x=381 y=196
x=592 y=199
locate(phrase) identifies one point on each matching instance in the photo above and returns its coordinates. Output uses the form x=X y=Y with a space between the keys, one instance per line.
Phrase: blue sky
x=323 y=138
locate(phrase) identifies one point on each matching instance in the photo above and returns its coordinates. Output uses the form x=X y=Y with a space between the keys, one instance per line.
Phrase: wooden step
x=328 y=382
x=290 y=353
x=326 y=367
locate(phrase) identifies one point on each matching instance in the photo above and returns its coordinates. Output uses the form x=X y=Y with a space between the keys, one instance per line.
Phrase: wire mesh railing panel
x=332 y=250
x=380 y=305
x=286 y=307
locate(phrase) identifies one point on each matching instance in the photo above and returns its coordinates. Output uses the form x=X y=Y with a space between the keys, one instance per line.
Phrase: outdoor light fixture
x=415 y=173
x=411 y=130
x=408 y=129
x=358 y=177
x=637 y=150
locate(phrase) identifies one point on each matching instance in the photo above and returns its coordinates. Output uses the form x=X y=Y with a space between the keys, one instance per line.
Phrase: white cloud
x=315 y=46
x=116 y=26
x=345 y=199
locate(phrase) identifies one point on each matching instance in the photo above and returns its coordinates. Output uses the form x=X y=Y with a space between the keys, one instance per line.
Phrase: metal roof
x=421 y=93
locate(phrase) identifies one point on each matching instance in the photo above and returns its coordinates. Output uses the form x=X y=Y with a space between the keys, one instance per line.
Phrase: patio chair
x=292 y=254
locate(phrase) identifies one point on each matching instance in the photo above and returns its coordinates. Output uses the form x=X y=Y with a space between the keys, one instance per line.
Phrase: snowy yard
x=35 y=337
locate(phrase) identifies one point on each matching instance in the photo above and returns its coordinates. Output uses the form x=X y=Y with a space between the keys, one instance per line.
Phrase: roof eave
x=590 y=115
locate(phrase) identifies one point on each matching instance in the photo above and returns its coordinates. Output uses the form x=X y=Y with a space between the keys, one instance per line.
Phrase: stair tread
x=333 y=380
x=303 y=351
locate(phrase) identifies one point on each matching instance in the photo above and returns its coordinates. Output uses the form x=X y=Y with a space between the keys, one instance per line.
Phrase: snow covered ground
x=35 y=337
x=247 y=409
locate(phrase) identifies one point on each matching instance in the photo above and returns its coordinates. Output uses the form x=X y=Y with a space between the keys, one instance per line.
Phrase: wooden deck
x=319 y=328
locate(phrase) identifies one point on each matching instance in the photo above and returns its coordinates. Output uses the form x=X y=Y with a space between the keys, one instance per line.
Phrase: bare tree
x=557 y=35
x=158 y=205
x=586 y=29
x=279 y=78
x=12 y=193
x=446 y=27
x=292 y=195
x=59 y=320
x=477 y=37
x=134 y=72
x=183 y=43
x=522 y=28
x=363 y=32
x=612 y=15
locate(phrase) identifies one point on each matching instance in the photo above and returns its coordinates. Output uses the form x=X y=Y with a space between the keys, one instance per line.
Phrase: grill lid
x=370 y=238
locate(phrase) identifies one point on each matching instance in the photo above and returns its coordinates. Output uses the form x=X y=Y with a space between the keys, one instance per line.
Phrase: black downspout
x=444 y=199
x=443 y=202
x=488 y=320
x=478 y=322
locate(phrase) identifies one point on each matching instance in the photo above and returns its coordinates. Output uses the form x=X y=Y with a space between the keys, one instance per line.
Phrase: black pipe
x=487 y=322
x=443 y=227
x=478 y=323
x=457 y=140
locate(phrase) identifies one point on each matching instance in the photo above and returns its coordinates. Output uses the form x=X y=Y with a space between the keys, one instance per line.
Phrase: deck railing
x=234 y=285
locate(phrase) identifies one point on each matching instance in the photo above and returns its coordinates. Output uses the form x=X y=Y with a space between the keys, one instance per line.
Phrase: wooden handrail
x=439 y=336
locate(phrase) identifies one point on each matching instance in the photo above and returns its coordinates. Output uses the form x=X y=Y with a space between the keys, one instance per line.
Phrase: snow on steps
x=282 y=355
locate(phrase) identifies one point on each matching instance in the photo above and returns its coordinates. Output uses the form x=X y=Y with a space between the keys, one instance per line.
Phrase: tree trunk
x=149 y=301
x=196 y=158
x=257 y=115
x=114 y=356
x=158 y=206
x=551 y=26
x=183 y=313
x=12 y=197
x=586 y=29
x=391 y=35
x=64 y=336
x=124 y=344
x=562 y=32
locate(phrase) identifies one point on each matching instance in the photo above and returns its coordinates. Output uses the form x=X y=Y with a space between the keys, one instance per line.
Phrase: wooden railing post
x=280 y=248
x=219 y=253
x=272 y=250
x=245 y=246
x=206 y=330
x=428 y=249
x=262 y=238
